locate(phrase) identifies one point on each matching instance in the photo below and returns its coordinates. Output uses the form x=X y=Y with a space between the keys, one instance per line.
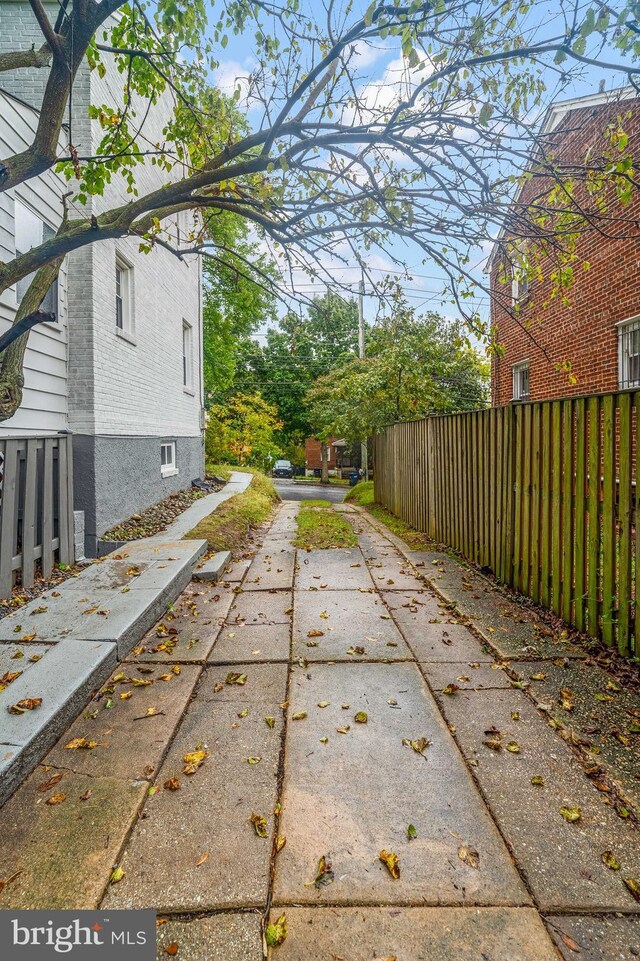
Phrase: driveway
x=289 y=490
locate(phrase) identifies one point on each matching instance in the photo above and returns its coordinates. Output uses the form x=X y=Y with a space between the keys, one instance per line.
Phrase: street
x=289 y=490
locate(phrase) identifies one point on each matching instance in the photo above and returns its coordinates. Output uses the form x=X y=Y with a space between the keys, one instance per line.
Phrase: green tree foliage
x=413 y=367
x=243 y=431
x=236 y=303
x=300 y=350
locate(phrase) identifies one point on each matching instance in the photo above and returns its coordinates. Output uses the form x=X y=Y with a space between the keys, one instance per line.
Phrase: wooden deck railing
x=36 y=508
x=543 y=494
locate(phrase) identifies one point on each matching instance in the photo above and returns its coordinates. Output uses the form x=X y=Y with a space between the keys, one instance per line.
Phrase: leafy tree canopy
x=414 y=367
x=243 y=431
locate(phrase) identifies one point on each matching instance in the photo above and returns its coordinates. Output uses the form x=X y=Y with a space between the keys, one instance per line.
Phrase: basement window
x=168 y=459
x=629 y=353
x=520 y=373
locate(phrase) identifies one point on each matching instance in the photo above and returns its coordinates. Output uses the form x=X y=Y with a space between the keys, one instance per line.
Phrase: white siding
x=44 y=406
x=138 y=388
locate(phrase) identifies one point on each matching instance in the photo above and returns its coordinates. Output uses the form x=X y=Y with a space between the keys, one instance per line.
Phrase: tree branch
x=18 y=59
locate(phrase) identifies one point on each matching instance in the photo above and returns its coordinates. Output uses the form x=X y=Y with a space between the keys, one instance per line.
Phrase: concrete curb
x=78 y=632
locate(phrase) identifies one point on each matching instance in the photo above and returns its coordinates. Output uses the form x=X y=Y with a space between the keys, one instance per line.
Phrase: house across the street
x=341 y=456
x=591 y=343
x=120 y=369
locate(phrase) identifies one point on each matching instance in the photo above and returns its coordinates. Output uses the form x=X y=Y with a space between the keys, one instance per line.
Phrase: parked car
x=282 y=468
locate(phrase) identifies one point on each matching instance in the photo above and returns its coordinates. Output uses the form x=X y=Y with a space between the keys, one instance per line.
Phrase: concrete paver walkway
x=293 y=693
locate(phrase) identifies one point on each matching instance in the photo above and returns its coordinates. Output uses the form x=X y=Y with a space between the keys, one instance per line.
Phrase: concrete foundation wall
x=115 y=477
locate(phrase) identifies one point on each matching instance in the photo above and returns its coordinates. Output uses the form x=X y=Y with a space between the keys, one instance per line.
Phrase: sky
x=382 y=71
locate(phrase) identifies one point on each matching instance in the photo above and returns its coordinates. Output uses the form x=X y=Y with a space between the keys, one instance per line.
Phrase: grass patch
x=415 y=540
x=333 y=481
x=361 y=494
x=315 y=503
x=228 y=527
x=322 y=529
x=220 y=470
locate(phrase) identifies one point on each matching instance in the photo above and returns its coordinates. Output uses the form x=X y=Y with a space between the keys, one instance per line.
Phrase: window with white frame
x=519 y=285
x=187 y=355
x=520 y=373
x=124 y=296
x=31 y=231
x=629 y=353
x=168 y=459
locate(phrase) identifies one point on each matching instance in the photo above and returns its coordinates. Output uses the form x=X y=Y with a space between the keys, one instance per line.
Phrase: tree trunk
x=324 y=456
x=11 y=373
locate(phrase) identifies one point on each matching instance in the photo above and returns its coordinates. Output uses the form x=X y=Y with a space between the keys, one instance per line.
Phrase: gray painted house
x=121 y=370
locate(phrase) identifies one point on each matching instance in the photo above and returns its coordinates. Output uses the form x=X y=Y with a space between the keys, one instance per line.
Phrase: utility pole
x=364 y=453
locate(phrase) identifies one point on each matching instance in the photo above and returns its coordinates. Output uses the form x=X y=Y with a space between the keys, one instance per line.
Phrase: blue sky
x=381 y=69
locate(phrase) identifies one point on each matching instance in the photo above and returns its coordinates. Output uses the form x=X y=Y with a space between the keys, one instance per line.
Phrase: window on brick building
x=520 y=373
x=168 y=466
x=124 y=296
x=31 y=231
x=629 y=353
x=519 y=285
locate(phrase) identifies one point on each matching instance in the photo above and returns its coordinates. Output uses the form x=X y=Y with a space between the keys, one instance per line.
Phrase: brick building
x=597 y=332
x=340 y=456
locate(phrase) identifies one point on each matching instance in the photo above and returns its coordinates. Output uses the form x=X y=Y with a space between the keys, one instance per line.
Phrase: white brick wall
x=116 y=387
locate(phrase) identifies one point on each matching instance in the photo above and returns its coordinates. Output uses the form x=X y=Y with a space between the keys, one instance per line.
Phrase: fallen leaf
x=493 y=743
x=634 y=887
x=299 y=716
x=243 y=712
x=324 y=873
x=343 y=730
x=270 y=721
x=570 y=943
x=172 y=949
x=276 y=932
x=10 y=677
x=361 y=717
x=53 y=780
x=541 y=676
x=280 y=843
x=260 y=825
x=324 y=740
x=87 y=794
x=571 y=814
x=172 y=784
x=315 y=634
x=26 y=704
x=392 y=863
x=254 y=760
x=359 y=650
x=537 y=780
x=610 y=860
x=194 y=760
x=469 y=855
x=56 y=798
x=513 y=746
x=116 y=875
x=80 y=743
x=419 y=745
x=411 y=833
x=234 y=678
x=450 y=689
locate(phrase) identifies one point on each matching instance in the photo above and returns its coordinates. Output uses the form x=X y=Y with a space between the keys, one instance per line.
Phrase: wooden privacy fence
x=36 y=508
x=543 y=494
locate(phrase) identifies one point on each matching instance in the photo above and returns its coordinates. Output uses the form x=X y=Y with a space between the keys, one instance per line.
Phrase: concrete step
x=214 y=567
x=77 y=634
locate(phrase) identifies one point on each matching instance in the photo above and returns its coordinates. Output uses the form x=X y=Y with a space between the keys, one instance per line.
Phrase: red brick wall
x=584 y=333
x=312 y=458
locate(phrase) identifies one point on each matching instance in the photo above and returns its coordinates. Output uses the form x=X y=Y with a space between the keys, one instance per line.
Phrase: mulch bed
x=157 y=518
